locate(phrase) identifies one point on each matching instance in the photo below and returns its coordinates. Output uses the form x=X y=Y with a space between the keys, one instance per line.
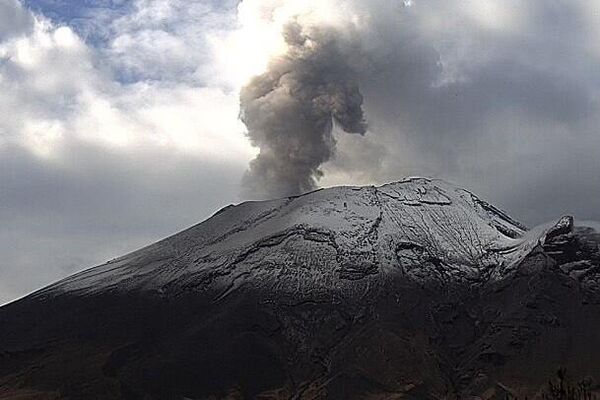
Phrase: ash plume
x=290 y=111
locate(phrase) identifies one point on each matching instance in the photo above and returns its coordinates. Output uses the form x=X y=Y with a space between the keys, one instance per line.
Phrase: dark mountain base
x=399 y=339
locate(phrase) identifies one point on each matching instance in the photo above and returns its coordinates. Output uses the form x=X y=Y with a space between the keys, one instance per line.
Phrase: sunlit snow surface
x=327 y=240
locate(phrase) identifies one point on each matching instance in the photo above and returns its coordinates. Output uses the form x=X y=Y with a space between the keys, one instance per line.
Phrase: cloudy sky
x=119 y=119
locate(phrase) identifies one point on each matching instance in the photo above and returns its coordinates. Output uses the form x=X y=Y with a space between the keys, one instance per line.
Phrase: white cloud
x=14 y=20
x=54 y=88
x=166 y=40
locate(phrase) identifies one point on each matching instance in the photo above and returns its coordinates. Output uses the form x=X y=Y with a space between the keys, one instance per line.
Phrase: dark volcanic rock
x=415 y=289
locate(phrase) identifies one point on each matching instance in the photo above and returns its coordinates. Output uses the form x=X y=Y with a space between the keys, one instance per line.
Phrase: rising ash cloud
x=290 y=111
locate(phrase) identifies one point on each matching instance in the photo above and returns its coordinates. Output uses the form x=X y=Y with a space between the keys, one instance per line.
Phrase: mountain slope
x=415 y=288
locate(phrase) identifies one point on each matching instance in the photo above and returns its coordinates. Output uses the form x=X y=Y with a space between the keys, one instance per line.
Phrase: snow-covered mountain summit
x=426 y=229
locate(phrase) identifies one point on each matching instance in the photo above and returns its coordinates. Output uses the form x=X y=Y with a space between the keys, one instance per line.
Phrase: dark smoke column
x=290 y=111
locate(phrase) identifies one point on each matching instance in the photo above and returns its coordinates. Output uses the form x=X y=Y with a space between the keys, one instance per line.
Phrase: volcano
x=413 y=290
